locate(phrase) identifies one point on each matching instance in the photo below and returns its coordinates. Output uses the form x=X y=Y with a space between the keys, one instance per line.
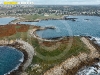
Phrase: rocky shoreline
x=69 y=67
x=25 y=48
x=73 y=64
x=32 y=33
x=20 y=19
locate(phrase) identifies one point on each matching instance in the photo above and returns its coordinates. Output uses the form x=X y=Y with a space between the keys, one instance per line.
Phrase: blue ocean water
x=9 y=59
x=6 y=20
x=84 y=25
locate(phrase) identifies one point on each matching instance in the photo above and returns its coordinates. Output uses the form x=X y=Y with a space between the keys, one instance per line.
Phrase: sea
x=10 y=59
x=6 y=20
x=80 y=26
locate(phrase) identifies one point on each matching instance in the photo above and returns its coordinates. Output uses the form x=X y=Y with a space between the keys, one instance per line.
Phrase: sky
x=60 y=2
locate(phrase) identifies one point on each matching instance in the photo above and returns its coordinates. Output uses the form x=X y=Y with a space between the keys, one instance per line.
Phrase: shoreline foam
x=90 y=69
x=26 y=49
x=17 y=66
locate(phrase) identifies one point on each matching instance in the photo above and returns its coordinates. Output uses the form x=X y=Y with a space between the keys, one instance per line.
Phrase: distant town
x=46 y=10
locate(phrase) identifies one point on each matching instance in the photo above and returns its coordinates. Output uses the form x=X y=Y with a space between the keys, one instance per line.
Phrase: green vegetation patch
x=18 y=27
x=41 y=16
x=44 y=65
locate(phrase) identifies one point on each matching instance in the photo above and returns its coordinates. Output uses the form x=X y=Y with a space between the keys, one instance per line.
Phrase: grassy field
x=40 y=16
x=44 y=65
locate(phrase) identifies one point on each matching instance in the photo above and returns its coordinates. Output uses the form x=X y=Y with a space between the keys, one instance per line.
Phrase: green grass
x=40 y=16
x=18 y=27
x=76 y=48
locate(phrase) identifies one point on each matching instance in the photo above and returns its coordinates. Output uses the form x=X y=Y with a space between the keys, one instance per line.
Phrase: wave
x=13 y=69
x=21 y=60
x=97 y=40
x=91 y=70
